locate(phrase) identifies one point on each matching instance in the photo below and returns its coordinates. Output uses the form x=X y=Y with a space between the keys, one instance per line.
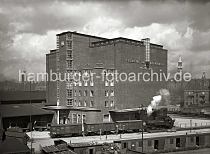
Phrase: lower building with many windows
x=99 y=74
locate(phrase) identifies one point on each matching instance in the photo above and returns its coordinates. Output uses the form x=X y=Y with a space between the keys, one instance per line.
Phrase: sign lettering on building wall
x=137 y=61
x=132 y=60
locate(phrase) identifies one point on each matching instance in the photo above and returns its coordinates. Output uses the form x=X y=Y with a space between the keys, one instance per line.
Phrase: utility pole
x=30 y=126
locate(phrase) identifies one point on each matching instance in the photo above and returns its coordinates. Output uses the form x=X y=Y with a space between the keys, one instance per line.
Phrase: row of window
x=69 y=64
x=69 y=54
x=86 y=83
x=77 y=118
x=109 y=93
x=177 y=141
x=86 y=93
x=109 y=103
x=80 y=103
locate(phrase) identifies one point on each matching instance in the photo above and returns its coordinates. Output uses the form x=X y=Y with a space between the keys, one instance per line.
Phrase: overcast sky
x=28 y=29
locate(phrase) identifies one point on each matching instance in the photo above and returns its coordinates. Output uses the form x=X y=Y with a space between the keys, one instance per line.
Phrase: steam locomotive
x=128 y=121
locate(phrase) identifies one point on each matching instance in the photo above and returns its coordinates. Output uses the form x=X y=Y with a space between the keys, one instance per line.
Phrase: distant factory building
x=197 y=96
x=82 y=54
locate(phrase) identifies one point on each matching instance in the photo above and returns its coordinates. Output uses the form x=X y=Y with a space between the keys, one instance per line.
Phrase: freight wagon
x=66 y=130
x=94 y=129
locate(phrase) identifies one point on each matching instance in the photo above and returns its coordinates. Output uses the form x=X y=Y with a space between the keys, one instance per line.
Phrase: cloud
x=28 y=28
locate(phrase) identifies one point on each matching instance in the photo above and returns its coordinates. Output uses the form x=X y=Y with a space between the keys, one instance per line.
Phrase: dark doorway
x=90 y=151
x=197 y=140
x=178 y=142
x=64 y=120
x=156 y=144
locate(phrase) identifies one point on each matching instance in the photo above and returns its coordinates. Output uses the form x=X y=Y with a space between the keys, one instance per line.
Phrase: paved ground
x=199 y=151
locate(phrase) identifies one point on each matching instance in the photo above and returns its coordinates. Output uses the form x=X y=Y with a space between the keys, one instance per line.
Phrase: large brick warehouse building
x=92 y=100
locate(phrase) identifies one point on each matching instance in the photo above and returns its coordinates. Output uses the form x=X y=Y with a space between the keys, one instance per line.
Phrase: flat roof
x=127 y=110
x=85 y=109
x=166 y=134
x=117 y=39
x=75 y=32
x=106 y=39
x=22 y=95
x=19 y=110
x=84 y=144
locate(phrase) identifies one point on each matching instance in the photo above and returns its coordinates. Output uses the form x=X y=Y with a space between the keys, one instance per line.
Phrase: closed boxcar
x=127 y=126
x=97 y=128
x=65 y=130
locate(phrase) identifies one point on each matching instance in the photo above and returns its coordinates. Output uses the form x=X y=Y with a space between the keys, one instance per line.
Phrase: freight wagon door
x=183 y=142
x=161 y=144
x=202 y=140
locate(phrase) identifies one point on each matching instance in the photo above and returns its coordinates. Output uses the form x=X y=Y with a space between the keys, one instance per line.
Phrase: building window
x=80 y=83
x=80 y=93
x=74 y=118
x=91 y=83
x=112 y=93
x=112 y=103
x=85 y=92
x=69 y=63
x=106 y=93
x=68 y=85
x=79 y=120
x=106 y=117
x=84 y=118
x=68 y=44
x=69 y=93
x=69 y=54
x=75 y=93
x=75 y=102
x=91 y=103
x=140 y=143
x=85 y=103
x=68 y=36
x=62 y=43
x=79 y=103
x=106 y=104
x=91 y=93
x=69 y=102
x=106 y=83
x=111 y=83
x=149 y=143
x=171 y=141
x=85 y=83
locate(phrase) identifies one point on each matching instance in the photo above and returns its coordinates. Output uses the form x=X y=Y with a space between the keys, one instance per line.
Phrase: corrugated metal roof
x=17 y=110
x=22 y=95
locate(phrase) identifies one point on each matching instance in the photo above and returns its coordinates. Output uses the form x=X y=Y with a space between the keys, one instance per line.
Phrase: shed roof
x=17 y=110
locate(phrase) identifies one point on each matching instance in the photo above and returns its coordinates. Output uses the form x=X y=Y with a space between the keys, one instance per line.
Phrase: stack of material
x=59 y=149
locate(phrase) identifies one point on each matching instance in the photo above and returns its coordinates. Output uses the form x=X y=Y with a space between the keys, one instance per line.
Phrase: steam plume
x=164 y=96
